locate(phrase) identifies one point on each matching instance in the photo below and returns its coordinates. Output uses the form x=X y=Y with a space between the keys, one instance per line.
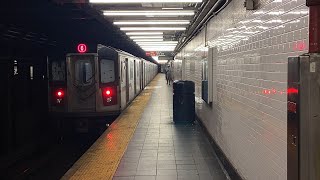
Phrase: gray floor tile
x=145 y=178
x=126 y=173
x=187 y=172
x=123 y=178
x=162 y=150
x=146 y=173
x=165 y=172
x=166 y=177
x=167 y=166
x=188 y=177
x=166 y=162
x=186 y=167
x=189 y=161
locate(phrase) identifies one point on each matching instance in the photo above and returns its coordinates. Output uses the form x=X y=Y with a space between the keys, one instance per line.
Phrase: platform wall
x=248 y=117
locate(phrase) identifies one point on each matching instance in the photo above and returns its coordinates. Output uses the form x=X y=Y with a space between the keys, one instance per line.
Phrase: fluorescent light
x=147 y=40
x=144 y=33
x=172 y=8
x=157 y=49
x=149 y=13
x=157 y=45
x=152 y=28
x=144 y=1
x=146 y=37
x=160 y=47
x=163 y=42
x=151 y=22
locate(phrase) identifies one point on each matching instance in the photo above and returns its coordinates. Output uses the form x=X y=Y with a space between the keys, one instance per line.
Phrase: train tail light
x=58 y=97
x=109 y=95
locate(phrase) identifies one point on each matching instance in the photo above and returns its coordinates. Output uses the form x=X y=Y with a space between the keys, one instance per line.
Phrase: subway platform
x=144 y=144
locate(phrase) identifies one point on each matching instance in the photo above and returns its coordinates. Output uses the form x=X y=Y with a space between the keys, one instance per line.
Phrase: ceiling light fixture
x=144 y=33
x=146 y=37
x=148 y=40
x=163 y=42
x=156 y=44
x=151 y=22
x=152 y=28
x=173 y=8
x=158 y=49
x=144 y=1
x=149 y=13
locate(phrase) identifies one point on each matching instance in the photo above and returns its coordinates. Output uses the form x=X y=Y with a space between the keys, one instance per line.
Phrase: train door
x=123 y=77
x=81 y=82
x=127 y=80
x=141 y=75
x=135 y=77
x=138 y=76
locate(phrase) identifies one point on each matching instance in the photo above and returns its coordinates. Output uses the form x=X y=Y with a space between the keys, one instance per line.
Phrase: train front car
x=84 y=88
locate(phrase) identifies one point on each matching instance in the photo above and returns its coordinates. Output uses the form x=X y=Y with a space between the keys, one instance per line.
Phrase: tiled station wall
x=248 y=117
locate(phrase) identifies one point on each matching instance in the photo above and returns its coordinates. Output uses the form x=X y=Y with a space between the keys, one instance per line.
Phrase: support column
x=314 y=29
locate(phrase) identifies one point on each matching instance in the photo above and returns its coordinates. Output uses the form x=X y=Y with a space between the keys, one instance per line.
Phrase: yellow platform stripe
x=103 y=157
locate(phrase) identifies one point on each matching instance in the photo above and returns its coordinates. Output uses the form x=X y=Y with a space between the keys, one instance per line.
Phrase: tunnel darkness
x=31 y=32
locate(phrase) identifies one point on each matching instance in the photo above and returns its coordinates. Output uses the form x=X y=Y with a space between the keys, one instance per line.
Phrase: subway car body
x=96 y=85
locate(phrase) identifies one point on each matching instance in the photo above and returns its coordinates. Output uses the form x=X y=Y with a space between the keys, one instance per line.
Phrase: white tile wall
x=248 y=115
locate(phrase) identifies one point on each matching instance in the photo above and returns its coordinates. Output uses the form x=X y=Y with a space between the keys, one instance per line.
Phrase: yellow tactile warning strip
x=103 y=157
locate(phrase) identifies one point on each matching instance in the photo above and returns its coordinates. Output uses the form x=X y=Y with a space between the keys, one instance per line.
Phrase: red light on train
x=108 y=92
x=60 y=93
x=292 y=91
x=109 y=96
x=58 y=97
x=82 y=48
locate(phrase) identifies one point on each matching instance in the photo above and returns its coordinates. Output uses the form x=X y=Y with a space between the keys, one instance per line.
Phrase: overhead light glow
x=157 y=45
x=151 y=22
x=158 y=49
x=143 y=1
x=149 y=13
x=147 y=40
x=146 y=37
x=173 y=8
x=152 y=28
x=144 y=33
x=163 y=42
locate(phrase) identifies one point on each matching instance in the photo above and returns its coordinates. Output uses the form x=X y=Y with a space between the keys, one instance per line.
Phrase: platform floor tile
x=162 y=150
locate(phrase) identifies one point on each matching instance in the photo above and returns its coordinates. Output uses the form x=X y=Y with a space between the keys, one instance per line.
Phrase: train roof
x=111 y=51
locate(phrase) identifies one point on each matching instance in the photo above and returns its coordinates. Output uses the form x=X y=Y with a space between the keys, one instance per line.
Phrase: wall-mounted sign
x=82 y=48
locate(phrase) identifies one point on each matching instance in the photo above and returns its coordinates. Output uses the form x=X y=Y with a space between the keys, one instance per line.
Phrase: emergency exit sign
x=151 y=53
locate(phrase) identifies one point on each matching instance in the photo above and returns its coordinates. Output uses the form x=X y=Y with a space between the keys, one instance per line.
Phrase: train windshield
x=83 y=72
x=107 y=71
x=58 y=71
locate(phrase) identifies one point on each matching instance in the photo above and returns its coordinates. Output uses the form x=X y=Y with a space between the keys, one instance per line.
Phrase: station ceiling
x=154 y=25
x=135 y=26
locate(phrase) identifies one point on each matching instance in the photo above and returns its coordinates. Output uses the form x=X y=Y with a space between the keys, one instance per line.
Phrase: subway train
x=89 y=87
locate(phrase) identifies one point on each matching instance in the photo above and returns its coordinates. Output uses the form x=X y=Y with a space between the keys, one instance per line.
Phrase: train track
x=51 y=162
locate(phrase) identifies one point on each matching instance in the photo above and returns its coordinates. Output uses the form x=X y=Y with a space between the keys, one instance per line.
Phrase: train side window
x=58 y=71
x=107 y=71
x=83 y=72
x=131 y=70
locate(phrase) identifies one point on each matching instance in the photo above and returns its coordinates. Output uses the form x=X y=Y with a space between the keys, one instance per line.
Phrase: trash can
x=183 y=101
